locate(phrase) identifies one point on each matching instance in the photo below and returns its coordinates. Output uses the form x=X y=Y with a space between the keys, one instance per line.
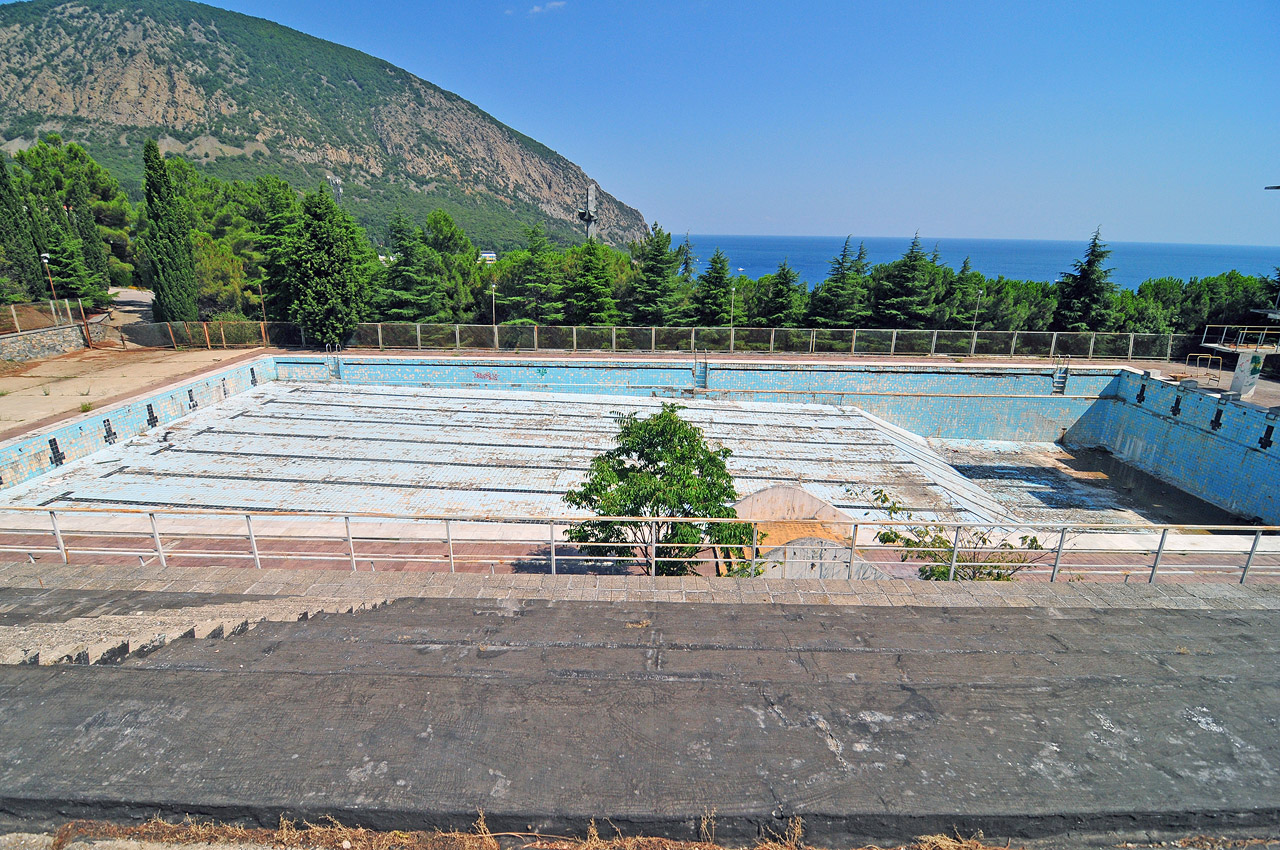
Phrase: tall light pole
x=733 y=294
x=974 y=329
x=44 y=258
x=493 y=304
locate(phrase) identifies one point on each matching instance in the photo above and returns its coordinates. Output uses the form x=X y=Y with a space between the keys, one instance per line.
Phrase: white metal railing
x=1245 y=337
x=373 y=541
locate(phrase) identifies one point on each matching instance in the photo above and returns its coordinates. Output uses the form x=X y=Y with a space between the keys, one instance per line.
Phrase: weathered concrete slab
x=870 y=723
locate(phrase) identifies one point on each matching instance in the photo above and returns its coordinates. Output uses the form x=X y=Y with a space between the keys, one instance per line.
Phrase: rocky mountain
x=241 y=96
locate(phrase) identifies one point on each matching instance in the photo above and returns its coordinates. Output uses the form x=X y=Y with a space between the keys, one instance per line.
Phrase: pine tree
x=65 y=257
x=713 y=294
x=21 y=263
x=907 y=290
x=274 y=212
x=588 y=295
x=842 y=300
x=414 y=289
x=778 y=301
x=328 y=273
x=168 y=244
x=654 y=289
x=1086 y=295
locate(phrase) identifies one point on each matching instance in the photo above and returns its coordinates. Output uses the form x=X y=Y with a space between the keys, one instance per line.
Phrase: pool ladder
x=333 y=361
x=700 y=368
x=1061 y=371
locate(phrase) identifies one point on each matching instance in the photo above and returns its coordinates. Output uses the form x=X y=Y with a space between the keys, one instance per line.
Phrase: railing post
x=553 y=548
x=813 y=340
x=1093 y=338
x=1130 y=357
x=613 y=343
x=1168 y=354
x=417 y=329
x=57 y=534
x=448 y=536
x=12 y=312
x=379 y=336
x=933 y=344
x=955 y=555
x=893 y=342
x=1053 y=345
x=1253 y=550
x=1057 y=556
x=693 y=339
x=535 y=337
x=155 y=535
x=207 y=344
x=1013 y=344
x=755 y=547
x=653 y=339
x=253 y=541
x=351 y=543
x=853 y=547
x=575 y=337
x=169 y=327
x=772 y=332
x=222 y=332
x=653 y=548
x=853 y=343
x=457 y=336
x=1155 y=565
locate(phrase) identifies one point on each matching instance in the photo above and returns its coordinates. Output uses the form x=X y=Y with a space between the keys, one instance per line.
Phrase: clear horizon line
x=927 y=239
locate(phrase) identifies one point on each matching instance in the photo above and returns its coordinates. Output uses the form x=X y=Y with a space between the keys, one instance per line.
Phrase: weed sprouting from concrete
x=332 y=835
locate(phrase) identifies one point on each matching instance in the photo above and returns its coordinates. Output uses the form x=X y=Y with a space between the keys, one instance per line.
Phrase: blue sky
x=1159 y=121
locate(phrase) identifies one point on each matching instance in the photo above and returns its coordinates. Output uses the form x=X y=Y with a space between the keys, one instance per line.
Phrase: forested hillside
x=245 y=97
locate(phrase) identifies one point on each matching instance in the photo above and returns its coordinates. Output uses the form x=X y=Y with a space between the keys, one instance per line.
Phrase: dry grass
x=332 y=835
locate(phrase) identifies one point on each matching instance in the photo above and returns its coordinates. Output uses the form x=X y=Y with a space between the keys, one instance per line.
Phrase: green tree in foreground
x=1086 y=296
x=328 y=276
x=168 y=244
x=20 y=263
x=662 y=467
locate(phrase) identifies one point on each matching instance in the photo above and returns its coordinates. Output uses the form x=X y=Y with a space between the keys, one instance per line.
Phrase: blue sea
x=1024 y=259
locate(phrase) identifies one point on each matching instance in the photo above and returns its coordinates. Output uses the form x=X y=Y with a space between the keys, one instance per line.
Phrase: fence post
x=755 y=547
x=1057 y=556
x=693 y=339
x=379 y=336
x=575 y=337
x=457 y=336
x=207 y=344
x=495 y=338
x=351 y=543
x=448 y=536
x=169 y=327
x=155 y=535
x=653 y=339
x=955 y=555
x=973 y=344
x=853 y=548
x=57 y=537
x=813 y=340
x=553 y=548
x=772 y=331
x=1168 y=353
x=933 y=343
x=853 y=343
x=612 y=344
x=731 y=340
x=12 y=312
x=301 y=330
x=1093 y=338
x=222 y=332
x=265 y=339
x=66 y=305
x=1013 y=344
x=1253 y=550
x=1155 y=565
x=653 y=548
x=535 y=337
x=417 y=329
x=893 y=342
x=253 y=541
x=1130 y=357
x=1053 y=345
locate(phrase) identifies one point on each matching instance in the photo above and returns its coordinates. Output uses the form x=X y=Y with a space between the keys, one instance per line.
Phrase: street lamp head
x=44 y=258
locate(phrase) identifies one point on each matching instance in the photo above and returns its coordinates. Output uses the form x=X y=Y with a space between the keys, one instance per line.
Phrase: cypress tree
x=92 y=247
x=588 y=295
x=21 y=261
x=328 y=279
x=168 y=244
x=1086 y=295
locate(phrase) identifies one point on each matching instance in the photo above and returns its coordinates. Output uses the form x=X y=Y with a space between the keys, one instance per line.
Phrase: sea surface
x=1025 y=259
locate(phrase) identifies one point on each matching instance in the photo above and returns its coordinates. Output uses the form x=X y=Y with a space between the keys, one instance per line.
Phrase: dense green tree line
x=261 y=249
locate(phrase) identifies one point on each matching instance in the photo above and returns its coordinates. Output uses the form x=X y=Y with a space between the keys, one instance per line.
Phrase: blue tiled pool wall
x=1219 y=451
x=27 y=458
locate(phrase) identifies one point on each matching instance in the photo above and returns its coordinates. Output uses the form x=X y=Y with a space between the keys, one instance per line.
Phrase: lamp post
x=44 y=258
x=733 y=294
x=981 y=292
x=493 y=304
